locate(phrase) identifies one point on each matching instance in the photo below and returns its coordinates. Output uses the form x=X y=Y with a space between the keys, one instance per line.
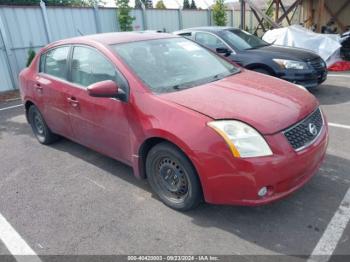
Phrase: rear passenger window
x=54 y=62
x=89 y=67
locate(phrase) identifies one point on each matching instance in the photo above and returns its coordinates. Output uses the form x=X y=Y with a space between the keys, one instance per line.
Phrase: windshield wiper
x=184 y=86
x=204 y=81
x=223 y=75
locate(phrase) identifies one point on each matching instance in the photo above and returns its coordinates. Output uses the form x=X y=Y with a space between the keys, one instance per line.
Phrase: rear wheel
x=40 y=129
x=172 y=177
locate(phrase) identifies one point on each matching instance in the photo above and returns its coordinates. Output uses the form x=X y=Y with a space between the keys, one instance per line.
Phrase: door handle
x=73 y=101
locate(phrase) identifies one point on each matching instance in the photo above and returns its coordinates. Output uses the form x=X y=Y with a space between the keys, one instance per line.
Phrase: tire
x=262 y=71
x=173 y=177
x=40 y=129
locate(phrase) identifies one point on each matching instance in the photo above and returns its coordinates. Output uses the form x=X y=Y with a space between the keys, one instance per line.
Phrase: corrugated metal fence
x=25 y=27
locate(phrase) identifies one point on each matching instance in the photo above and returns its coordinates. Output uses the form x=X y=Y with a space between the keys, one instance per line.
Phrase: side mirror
x=223 y=50
x=107 y=88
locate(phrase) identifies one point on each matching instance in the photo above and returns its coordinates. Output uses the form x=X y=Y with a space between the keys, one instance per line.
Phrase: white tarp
x=326 y=46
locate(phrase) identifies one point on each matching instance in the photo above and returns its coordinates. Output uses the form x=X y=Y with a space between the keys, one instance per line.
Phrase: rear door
x=99 y=123
x=50 y=87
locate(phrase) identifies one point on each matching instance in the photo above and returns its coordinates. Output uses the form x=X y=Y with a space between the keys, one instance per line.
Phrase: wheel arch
x=27 y=105
x=150 y=142
x=262 y=66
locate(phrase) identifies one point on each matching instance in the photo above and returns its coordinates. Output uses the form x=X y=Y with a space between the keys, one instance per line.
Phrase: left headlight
x=242 y=139
x=291 y=64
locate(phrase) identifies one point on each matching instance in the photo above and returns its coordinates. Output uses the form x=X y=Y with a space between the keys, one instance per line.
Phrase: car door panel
x=55 y=108
x=238 y=59
x=98 y=123
x=50 y=87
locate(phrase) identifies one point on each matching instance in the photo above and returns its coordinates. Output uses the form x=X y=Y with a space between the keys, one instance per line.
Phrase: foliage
x=186 y=4
x=138 y=4
x=125 y=20
x=269 y=13
x=146 y=3
x=160 y=5
x=219 y=13
x=193 y=5
x=74 y=3
x=31 y=55
x=98 y=2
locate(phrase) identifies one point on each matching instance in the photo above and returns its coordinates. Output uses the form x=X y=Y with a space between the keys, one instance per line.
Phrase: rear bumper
x=236 y=181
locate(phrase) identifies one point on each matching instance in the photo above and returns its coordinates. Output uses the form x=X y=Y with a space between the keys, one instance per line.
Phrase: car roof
x=115 y=38
x=206 y=28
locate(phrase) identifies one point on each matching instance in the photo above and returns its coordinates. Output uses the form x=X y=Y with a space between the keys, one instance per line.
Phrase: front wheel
x=172 y=177
x=40 y=129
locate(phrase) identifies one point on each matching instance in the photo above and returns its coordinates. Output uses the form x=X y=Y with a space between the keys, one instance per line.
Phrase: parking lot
x=65 y=199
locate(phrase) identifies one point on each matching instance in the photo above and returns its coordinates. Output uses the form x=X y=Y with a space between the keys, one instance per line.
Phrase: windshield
x=242 y=40
x=171 y=64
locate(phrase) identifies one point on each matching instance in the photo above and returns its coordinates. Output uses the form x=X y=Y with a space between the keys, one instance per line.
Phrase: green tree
x=124 y=17
x=31 y=55
x=74 y=3
x=138 y=4
x=160 y=5
x=98 y=2
x=193 y=5
x=148 y=3
x=186 y=4
x=269 y=13
x=219 y=13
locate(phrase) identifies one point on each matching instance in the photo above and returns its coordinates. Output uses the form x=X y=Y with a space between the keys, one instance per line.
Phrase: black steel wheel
x=172 y=177
x=39 y=127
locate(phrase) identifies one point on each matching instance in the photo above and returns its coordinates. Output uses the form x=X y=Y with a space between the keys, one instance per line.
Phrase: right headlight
x=242 y=139
x=291 y=64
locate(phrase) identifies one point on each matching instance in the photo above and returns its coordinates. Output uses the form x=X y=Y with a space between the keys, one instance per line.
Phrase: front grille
x=318 y=65
x=306 y=131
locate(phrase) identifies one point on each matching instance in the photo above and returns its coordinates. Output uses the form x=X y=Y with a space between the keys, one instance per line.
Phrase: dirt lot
x=67 y=199
x=9 y=96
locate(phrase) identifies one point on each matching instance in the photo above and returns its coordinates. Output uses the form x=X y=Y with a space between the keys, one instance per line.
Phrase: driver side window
x=89 y=67
x=209 y=40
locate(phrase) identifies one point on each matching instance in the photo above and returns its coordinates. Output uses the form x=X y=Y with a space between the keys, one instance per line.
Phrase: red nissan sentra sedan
x=195 y=125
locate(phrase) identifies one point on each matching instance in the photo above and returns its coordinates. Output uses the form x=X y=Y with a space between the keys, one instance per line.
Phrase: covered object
x=325 y=45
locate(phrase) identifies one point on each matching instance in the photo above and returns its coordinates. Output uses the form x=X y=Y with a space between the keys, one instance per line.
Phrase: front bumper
x=236 y=181
x=308 y=78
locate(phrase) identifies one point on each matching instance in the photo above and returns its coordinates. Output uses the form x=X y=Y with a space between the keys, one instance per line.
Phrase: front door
x=213 y=42
x=98 y=123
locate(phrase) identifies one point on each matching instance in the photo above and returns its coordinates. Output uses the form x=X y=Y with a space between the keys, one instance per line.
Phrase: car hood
x=284 y=52
x=266 y=103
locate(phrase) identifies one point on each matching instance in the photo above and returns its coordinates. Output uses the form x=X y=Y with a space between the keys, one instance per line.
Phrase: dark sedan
x=295 y=65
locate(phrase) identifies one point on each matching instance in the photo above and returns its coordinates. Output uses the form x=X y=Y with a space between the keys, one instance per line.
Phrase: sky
x=173 y=3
